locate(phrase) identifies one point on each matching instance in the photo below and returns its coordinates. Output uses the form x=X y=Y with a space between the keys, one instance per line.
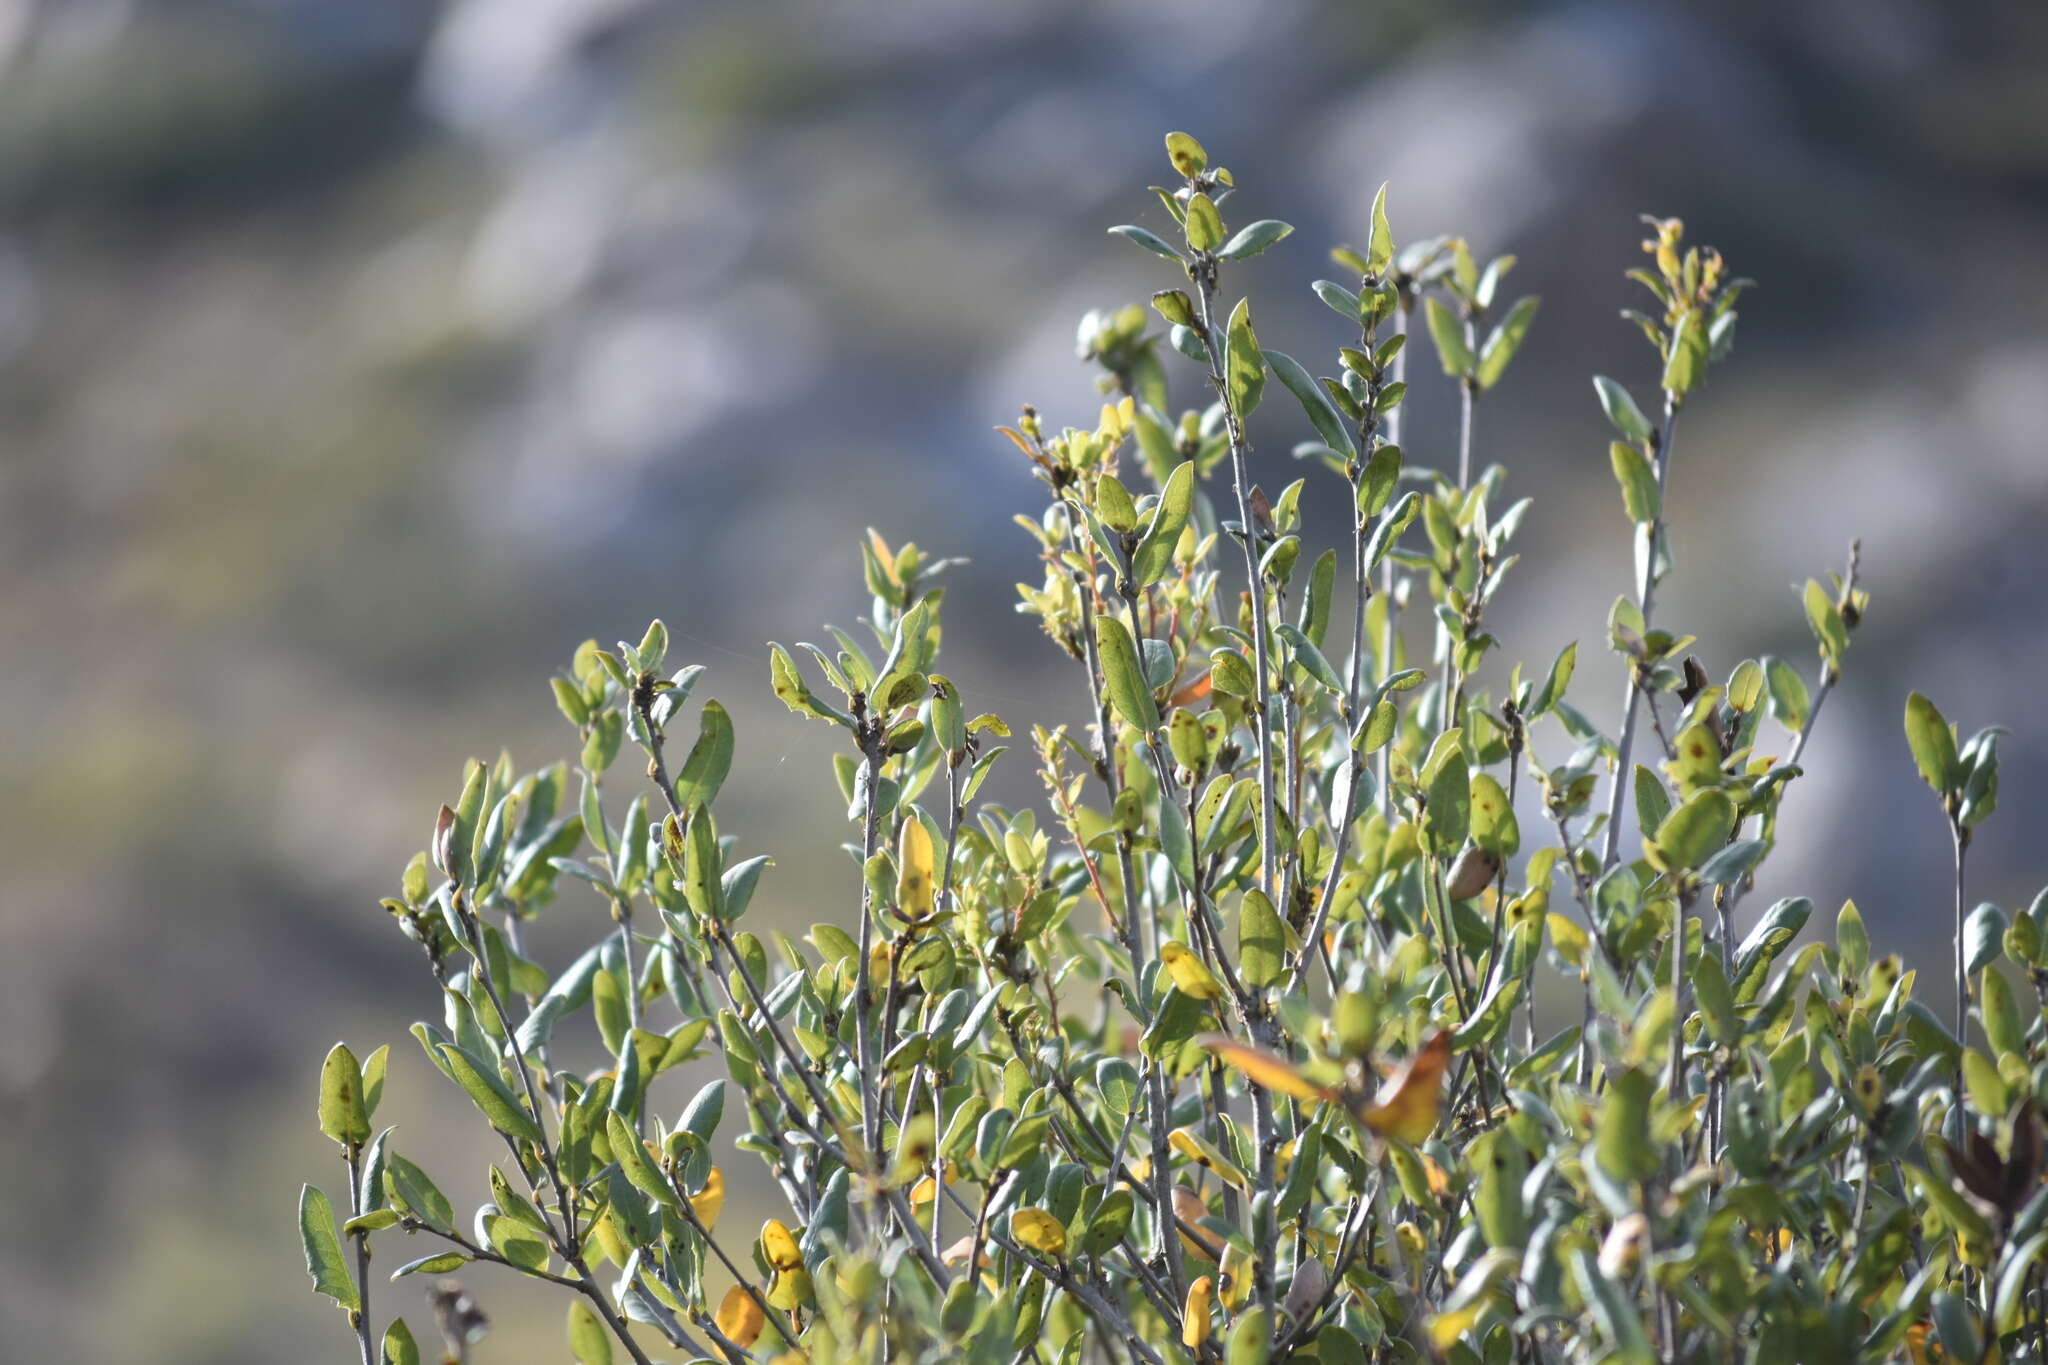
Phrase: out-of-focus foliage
x=1230 y=1049
x=356 y=356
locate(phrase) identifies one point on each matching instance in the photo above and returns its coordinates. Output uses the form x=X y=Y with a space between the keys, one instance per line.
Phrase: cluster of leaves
x=1232 y=1050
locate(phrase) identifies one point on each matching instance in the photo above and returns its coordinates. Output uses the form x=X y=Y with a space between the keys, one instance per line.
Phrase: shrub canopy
x=1271 y=1035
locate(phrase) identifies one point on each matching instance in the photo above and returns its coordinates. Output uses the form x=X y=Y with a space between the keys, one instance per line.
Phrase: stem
x=1387 y=634
x=870 y=1108
x=1240 y=450
x=1959 y=837
x=1646 y=593
x=1676 y=1079
x=362 y=1241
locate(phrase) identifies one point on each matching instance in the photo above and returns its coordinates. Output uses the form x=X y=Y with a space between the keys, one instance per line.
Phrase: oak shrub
x=1245 y=1045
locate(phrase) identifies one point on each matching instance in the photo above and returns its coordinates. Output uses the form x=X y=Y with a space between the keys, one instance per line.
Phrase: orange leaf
x=1189 y=1208
x=1409 y=1104
x=739 y=1317
x=1198 y=690
x=1265 y=1069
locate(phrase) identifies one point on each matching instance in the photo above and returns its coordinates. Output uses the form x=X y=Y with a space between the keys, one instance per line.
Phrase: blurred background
x=357 y=360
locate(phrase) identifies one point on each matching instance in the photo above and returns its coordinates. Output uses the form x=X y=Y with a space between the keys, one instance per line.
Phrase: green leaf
x=1638 y=482
x=1310 y=658
x=1500 y=1164
x=1147 y=240
x=1245 y=375
x=1123 y=677
x=1447 y=781
x=1983 y=937
x=1187 y=155
x=323 y=1250
x=374 y=1067
x=1113 y=504
x=518 y=1242
x=1828 y=629
x=1933 y=744
x=703 y=772
x=1449 y=335
x=1251 y=1338
x=1253 y=239
x=1494 y=827
x=1376 y=484
x=1622 y=411
x=1341 y=301
x=1852 y=941
x=589 y=1342
x=1261 y=941
x=1732 y=862
x=1112 y=1221
x=489 y=1093
x=1204 y=225
x=632 y=1159
x=2007 y=1314
x=343 y=1116
x=1717 y=999
x=1621 y=1135
x=1556 y=681
x=2004 y=1027
x=1653 y=803
x=1753 y=958
x=1692 y=833
x=1116 y=1081
x=415 y=1190
x=1687 y=364
x=1789 y=700
x=1614 y=1309
x=1379 y=250
x=701 y=1116
x=434 y=1263
x=1322 y=414
x=1176 y=842
x=1746 y=686
x=1960 y=1213
x=399 y=1347
x=1169 y=518
x=1392 y=524
x=1231 y=674
x=1504 y=340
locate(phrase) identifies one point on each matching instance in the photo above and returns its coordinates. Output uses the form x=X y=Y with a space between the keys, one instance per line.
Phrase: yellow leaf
x=925 y=1190
x=1195 y=1317
x=1263 y=1068
x=1414 y=1246
x=792 y=1289
x=1237 y=1276
x=707 y=1202
x=1188 y=972
x=1206 y=1155
x=1446 y=1328
x=1569 y=940
x=1409 y=1104
x=739 y=1317
x=914 y=869
x=1039 y=1231
x=886 y=556
x=780 y=1247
